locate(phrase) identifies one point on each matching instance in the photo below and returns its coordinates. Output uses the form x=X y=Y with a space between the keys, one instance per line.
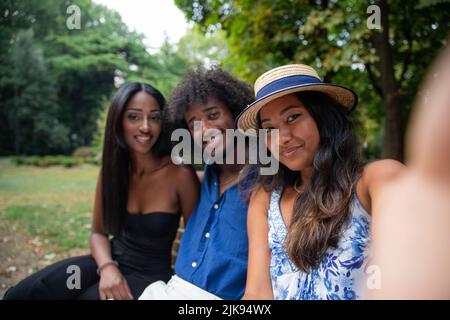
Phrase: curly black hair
x=199 y=85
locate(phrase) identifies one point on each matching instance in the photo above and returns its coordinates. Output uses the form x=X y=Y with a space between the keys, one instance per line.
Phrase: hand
x=113 y=284
x=410 y=227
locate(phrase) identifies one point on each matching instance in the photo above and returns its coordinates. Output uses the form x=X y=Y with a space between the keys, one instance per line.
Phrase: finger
x=102 y=294
x=428 y=135
x=115 y=294
x=128 y=291
x=120 y=292
x=109 y=295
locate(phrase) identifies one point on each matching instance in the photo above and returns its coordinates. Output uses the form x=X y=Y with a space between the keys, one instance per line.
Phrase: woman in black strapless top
x=140 y=197
x=145 y=246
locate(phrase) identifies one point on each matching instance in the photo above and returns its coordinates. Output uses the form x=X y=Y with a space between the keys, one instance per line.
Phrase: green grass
x=53 y=204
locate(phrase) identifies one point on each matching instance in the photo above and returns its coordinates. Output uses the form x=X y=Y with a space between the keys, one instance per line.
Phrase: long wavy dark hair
x=116 y=156
x=323 y=208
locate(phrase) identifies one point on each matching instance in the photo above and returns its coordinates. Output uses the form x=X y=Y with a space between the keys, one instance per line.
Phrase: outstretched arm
x=411 y=224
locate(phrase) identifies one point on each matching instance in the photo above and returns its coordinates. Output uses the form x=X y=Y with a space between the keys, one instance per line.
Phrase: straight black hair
x=115 y=171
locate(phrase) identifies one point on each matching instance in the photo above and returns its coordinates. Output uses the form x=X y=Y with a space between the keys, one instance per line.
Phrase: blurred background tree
x=383 y=66
x=55 y=83
x=31 y=111
x=52 y=83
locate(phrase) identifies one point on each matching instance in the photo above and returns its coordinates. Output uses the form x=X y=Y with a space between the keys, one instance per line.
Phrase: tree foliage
x=333 y=37
x=31 y=110
x=65 y=71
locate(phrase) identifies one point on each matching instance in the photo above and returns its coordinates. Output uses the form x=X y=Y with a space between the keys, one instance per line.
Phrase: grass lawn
x=49 y=209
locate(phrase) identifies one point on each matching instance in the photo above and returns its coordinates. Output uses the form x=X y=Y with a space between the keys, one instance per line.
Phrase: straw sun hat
x=289 y=79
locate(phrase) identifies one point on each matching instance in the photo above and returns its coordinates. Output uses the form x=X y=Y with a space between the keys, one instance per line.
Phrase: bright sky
x=154 y=18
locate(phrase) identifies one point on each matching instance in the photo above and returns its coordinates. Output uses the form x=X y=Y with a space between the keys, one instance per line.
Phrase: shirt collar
x=212 y=182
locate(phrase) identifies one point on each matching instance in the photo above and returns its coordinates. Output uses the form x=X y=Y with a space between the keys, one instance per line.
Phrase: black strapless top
x=145 y=246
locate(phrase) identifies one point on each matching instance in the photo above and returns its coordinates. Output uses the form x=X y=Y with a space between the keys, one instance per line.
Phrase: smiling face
x=141 y=122
x=213 y=114
x=298 y=133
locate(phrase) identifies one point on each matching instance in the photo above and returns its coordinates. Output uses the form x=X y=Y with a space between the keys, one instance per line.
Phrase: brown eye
x=213 y=116
x=293 y=117
x=133 y=117
x=156 y=118
x=269 y=130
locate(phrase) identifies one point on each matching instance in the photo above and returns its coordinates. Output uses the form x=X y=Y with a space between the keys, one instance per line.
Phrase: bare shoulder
x=182 y=172
x=384 y=169
x=375 y=177
x=259 y=199
x=178 y=174
x=379 y=173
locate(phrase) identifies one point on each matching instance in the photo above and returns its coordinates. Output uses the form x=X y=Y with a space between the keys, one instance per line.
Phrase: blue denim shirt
x=213 y=251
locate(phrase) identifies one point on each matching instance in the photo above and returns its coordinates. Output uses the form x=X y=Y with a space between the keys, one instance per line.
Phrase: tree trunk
x=16 y=123
x=16 y=138
x=393 y=128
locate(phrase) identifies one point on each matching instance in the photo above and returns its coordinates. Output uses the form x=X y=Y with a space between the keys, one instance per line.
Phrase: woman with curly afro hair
x=212 y=257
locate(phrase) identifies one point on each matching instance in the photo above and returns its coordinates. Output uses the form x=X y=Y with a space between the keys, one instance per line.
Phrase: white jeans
x=176 y=289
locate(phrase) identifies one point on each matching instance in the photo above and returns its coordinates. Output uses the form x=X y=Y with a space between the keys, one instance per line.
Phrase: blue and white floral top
x=340 y=273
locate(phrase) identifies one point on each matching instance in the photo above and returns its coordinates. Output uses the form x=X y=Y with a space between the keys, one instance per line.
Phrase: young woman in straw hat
x=308 y=225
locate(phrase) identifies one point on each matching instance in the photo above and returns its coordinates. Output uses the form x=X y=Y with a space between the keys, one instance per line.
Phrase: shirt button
x=194 y=264
x=216 y=206
x=207 y=235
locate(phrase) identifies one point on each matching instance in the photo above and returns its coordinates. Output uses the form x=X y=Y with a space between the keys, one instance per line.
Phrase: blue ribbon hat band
x=286 y=82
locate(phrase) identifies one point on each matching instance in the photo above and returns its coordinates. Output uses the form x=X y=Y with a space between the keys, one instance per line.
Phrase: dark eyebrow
x=282 y=112
x=140 y=110
x=210 y=108
x=289 y=108
x=134 y=109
